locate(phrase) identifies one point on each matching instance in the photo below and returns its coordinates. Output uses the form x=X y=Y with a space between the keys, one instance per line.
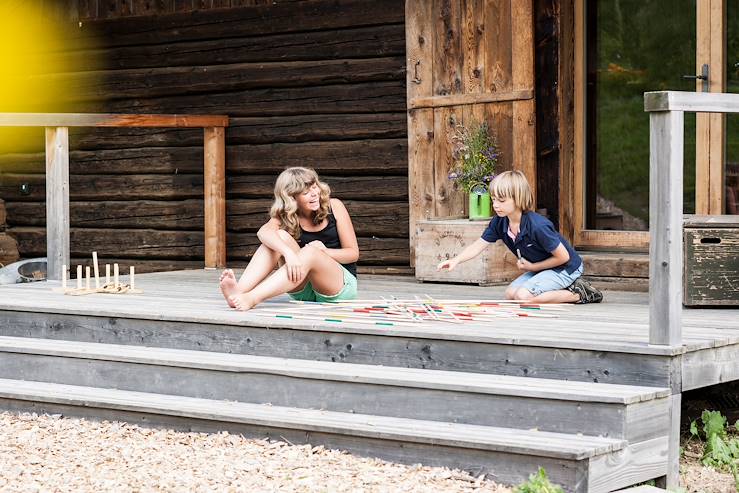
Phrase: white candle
x=107 y=274
x=115 y=275
x=131 y=279
x=79 y=277
x=87 y=277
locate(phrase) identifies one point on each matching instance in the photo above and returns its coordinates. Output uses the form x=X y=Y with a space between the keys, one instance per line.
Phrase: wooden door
x=466 y=60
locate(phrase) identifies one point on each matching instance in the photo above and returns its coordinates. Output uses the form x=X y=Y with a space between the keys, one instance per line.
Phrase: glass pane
x=633 y=46
x=731 y=200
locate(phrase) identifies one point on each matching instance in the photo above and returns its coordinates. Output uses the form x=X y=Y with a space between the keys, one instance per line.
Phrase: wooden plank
x=57 y=201
x=214 y=187
x=665 y=226
x=711 y=266
x=636 y=463
x=498 y=46
x=524 y=140
x=697 y=102
x=567 y=118
x=466 y=99
x=473 y=46
x=342 y=187
x=110 y=120
x=3 y=215
x=447 y=200
x=421 y=186
x=703 y=120
x=522 y=44
x=447 y=68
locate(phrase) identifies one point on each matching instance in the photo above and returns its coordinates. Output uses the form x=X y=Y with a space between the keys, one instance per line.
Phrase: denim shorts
x=348 y=292
x=546 y=280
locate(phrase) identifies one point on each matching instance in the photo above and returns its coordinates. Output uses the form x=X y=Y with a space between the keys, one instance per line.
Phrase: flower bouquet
x=475 y=153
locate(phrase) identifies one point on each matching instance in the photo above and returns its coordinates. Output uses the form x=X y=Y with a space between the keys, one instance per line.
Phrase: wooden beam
x=475 y=98
x=57 y=201
x=110 y=120
x=215 y=197
x=665 y=226
x=698 y=102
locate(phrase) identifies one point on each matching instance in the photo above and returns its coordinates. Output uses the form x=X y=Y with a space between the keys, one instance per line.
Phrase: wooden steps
x=581 y=463
x=617 y=411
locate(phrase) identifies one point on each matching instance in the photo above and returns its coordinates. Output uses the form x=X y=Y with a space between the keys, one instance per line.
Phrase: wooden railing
x=57 y=174
x=666 y=127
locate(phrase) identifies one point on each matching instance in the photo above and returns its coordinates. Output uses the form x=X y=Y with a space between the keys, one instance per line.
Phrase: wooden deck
x=498 y=398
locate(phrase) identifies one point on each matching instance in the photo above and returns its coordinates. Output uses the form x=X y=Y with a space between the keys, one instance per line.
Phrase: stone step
x=579 y=463
x=616 y=411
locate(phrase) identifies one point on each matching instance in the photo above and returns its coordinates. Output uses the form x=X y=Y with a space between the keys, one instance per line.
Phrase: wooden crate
x=711 y=261
x=443 y=239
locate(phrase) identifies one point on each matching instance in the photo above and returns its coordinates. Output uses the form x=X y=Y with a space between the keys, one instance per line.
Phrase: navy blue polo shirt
x=536 y=240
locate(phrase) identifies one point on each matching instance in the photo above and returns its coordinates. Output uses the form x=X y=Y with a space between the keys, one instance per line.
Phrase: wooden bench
x=57 y=173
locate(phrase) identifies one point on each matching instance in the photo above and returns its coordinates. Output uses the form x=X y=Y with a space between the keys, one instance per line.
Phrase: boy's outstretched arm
x=470 y=251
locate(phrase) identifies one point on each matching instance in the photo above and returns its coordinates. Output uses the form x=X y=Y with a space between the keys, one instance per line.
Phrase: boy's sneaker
x=587 y=293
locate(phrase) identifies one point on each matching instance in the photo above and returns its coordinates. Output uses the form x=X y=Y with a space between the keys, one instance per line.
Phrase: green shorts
x=348 y=292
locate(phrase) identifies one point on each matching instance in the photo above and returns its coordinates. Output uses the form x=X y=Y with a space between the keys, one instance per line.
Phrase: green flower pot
x=479 y=205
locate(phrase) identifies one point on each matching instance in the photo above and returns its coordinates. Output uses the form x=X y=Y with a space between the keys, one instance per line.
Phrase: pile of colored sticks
x=399 y=312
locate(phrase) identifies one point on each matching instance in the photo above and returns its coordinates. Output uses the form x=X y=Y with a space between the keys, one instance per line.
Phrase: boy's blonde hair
x=514 y=185
x=290 y=183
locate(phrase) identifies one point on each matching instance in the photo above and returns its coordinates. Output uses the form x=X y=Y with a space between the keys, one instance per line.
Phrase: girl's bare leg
x=261 y=265
x=323 y=272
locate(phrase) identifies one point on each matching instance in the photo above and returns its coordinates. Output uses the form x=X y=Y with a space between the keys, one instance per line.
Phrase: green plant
x=475 y=153
x=721 y=451
x=538 y=483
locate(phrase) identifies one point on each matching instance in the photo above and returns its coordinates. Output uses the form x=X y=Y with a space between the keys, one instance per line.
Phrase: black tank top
x=329 y=236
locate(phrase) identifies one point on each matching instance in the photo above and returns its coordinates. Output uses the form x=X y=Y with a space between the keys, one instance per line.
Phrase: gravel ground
x=51 y=453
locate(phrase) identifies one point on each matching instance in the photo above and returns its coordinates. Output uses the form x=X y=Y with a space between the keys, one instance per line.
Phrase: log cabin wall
x=316 y=83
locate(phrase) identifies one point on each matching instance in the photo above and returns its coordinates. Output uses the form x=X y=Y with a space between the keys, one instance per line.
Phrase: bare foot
x=242 y=302
x=229 y=286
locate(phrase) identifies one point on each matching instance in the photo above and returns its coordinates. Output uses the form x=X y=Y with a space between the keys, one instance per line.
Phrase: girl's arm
x=349 y=251
x=560 y=256
x=470 y=251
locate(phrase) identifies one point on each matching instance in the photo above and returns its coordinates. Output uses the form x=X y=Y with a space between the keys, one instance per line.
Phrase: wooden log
x=8 y=249
x=183 y=245
x=385 y=156
x=385 y=219
x=112 y=187
x=353 y=42
x=277 y=17
x=251 y=130
x=365 y=97
x=380 y=156
x=190 y=186
x=122 y=84
x=343 y=187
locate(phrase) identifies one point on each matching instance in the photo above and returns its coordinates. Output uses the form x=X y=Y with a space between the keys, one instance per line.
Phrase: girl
x=310 y=236
x=552 y=267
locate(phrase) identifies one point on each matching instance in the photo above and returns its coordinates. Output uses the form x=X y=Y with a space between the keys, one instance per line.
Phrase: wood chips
x=54 y=453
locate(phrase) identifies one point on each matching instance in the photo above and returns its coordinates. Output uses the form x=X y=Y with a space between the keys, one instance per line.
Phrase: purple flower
x=453 y=175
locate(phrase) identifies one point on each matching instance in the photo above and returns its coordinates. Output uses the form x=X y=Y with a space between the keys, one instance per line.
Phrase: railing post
x=665 y=226
x=57 y=201
x=215 y=196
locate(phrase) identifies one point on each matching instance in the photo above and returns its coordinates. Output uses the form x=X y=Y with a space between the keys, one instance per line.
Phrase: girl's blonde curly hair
x=290 y=183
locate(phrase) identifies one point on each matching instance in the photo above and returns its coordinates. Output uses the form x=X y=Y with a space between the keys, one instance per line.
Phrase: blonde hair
x=290 y=183
x=514 y=185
